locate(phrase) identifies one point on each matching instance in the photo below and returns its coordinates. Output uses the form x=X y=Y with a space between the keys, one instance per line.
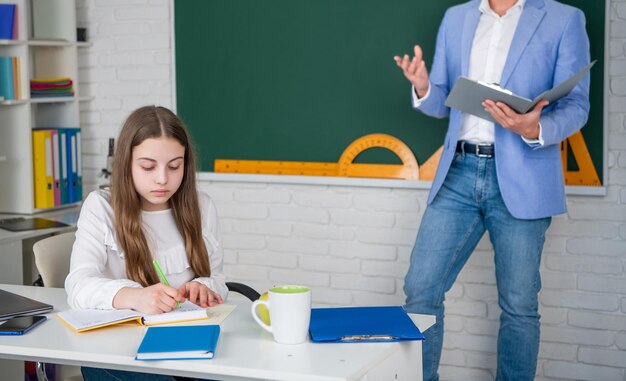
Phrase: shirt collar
x=485 y=8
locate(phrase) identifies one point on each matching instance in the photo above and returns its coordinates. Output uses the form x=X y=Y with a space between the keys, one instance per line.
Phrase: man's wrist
x=534 y=135
x=538 y=140
x=421 y=93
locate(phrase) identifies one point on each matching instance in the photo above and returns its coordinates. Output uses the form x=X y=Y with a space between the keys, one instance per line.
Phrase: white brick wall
x=352 y=244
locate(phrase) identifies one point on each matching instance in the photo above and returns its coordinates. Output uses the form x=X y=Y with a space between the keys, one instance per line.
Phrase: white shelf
x=50 y=43
x=14 y=102
x=84 y=44
x=46 y=48
x=13 y=42
x=53 y=100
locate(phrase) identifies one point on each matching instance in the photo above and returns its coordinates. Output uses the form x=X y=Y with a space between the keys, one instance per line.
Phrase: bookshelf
x=45 y=44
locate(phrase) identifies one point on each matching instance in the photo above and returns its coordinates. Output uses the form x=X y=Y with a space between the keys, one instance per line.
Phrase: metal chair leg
x=41 y=371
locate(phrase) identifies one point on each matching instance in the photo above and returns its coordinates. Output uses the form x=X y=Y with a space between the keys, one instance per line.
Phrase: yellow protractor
x=408 y=170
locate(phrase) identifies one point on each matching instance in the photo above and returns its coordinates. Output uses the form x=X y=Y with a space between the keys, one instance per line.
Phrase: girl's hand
x=154 y=299
x=200 y=294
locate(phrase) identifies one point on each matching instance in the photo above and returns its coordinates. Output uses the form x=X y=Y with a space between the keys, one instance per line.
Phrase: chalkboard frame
x=576 y=190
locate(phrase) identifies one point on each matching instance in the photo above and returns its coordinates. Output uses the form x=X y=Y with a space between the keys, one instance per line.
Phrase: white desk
x=244 y=352
x=16 y=258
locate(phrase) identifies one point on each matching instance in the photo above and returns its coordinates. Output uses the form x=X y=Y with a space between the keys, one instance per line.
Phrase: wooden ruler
x=409 y=169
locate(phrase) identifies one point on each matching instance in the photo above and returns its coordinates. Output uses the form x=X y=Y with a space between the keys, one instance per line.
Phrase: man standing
x=506 y=177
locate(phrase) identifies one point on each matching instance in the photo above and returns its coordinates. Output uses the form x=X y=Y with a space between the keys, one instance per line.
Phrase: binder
x=179 y=343
x=6 y=79
x=468 y=95
x=42 y=169
x=79 y=167
x=72 y=174
x=63 y=165
x=16 y=23
x=56 y=167
x=7 y=19
x=17 y=88
x=362 y=324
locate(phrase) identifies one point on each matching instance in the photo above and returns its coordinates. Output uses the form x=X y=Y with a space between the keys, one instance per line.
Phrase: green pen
x=162 y=276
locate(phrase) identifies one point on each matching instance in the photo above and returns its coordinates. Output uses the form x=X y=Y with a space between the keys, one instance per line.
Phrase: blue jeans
x=97 y=374
x=469 y=203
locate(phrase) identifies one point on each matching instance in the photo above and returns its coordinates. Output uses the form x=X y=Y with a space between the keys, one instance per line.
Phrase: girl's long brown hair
x=144 y=123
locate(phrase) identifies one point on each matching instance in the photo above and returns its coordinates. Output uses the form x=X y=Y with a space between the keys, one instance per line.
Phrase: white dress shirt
x=490 y=49
x=98 y=268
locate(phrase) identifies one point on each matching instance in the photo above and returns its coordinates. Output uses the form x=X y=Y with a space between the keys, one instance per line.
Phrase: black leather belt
x=480 y=150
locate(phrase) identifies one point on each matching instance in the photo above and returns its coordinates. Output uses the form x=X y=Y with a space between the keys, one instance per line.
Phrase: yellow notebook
x=42 y=169
x=86 y=320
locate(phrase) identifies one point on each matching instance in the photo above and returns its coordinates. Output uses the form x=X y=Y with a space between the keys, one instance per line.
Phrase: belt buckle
x=478 y=150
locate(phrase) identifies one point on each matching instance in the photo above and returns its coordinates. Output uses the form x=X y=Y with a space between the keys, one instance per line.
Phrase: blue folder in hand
x=183 y=342
x=362 y=324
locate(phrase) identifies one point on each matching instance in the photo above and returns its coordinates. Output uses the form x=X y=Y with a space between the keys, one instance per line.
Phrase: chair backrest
x=52 y=258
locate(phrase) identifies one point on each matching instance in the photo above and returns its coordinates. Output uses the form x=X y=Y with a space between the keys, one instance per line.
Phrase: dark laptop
x=19 y=224
x=15 y=305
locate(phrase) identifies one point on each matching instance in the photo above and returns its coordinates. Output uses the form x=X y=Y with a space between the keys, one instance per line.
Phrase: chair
x=52 y=258
x=244 y=290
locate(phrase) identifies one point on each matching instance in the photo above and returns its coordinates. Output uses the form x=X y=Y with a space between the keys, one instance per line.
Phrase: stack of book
x=8 y=22
x=10 y=74
x=51 y=87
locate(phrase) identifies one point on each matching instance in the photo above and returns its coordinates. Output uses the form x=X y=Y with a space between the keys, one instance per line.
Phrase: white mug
x=290 y=313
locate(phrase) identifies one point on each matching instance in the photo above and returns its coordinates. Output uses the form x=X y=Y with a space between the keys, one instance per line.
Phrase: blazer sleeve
x=569 y=114
x=434 y=104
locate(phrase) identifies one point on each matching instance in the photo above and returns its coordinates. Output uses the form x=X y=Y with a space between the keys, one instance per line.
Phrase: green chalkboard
x=299 y=80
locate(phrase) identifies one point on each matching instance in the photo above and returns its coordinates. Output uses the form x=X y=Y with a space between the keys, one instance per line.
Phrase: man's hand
x=415 y=71
x=525 y=125
x=200 y=294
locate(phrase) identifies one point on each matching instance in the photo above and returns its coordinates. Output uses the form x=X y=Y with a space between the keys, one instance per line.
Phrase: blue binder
x=79 y=166
x=362 y=324
x=7 y=19
x=72 y=165
x=63 y=165
x=184 y=342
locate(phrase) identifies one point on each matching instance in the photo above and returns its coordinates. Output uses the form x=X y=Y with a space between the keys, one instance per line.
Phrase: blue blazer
x=549 y=46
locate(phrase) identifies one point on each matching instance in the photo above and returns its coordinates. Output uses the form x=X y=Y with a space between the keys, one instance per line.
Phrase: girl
x=153 y=211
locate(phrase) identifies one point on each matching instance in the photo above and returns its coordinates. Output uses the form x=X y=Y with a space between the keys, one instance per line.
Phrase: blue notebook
x=362 y=324
x=183 y=342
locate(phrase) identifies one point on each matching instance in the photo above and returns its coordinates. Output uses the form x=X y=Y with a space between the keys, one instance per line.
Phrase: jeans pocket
x=458 y=157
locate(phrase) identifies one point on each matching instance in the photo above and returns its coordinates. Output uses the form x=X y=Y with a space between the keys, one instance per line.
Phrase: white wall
x=352 y=244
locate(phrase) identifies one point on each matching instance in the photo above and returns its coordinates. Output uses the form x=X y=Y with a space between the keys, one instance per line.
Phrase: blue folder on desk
x=362 y=324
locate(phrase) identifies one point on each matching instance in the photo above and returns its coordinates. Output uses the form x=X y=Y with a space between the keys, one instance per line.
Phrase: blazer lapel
x=529 y=20
x=467 y=38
